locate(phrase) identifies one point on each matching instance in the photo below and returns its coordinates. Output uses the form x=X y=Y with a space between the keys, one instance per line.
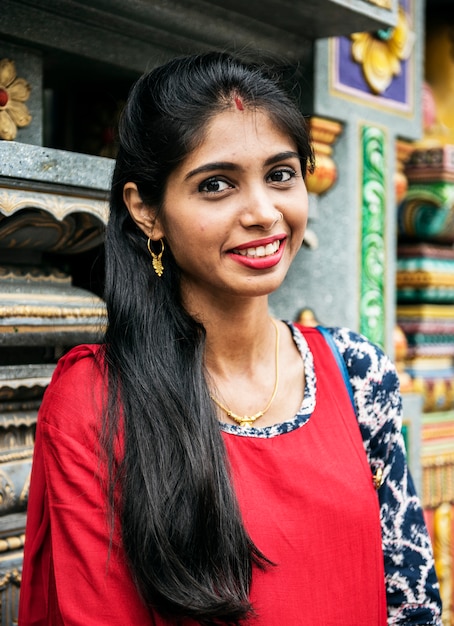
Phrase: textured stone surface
x=46 y=165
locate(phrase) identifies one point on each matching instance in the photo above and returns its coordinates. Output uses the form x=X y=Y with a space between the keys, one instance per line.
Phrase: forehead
x=236 y=133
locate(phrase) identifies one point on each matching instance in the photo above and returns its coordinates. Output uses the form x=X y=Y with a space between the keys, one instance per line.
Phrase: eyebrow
x=227 y=165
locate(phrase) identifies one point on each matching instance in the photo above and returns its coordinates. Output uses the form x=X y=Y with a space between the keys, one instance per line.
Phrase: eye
x=214 y=185
x=281 y=175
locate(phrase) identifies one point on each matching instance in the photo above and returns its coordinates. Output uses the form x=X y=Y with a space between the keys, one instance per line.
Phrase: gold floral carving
x=14 y=92
x=324 y=133
x=380 y=53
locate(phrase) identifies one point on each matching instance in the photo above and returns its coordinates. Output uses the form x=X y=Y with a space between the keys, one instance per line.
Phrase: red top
x=306 y=496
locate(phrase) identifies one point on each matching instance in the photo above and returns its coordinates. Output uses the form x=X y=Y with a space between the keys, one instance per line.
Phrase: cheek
x=304 y=210
x=297 y=220
x=190 y=241
x=300 y=215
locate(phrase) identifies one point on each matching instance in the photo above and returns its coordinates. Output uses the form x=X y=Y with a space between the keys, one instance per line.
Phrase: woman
x=205 y=465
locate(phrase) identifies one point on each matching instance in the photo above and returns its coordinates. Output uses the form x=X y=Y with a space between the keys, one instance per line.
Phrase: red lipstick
x=262 y=262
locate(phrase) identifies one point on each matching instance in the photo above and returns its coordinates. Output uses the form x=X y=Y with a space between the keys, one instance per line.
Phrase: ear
x=142 y=214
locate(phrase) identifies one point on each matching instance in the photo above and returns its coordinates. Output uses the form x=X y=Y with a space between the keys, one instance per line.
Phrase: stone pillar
x=42 y=313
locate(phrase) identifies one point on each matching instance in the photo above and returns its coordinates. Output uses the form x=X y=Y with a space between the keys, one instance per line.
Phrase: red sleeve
x=70 y=576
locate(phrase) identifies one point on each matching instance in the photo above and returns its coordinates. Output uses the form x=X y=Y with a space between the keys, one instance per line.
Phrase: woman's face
x=235 y=209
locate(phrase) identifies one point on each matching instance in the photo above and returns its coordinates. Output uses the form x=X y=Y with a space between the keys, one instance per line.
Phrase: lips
x=261 y=254
x=259 y=251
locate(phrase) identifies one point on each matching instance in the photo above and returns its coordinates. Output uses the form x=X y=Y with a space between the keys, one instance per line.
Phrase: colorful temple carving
x=425 y=293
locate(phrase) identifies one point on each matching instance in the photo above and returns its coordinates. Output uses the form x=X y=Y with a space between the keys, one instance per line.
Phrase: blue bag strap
x=377 y=476
x=339 y=360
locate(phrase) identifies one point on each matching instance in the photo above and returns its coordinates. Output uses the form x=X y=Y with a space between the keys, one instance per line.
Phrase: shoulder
x=364 y=359
x=374 y=381
x=372 y=374
x=76 y=391
x=81 y=365
x=361 y=356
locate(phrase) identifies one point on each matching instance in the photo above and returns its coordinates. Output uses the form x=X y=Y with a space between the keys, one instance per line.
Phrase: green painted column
x=373 y=235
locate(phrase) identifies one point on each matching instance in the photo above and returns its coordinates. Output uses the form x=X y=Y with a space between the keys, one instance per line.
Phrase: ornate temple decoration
x=43 y=312
x=403 y=152
x=437 y=458
x=9 y=593
x=380 y=53
x=14 y=92
x=427 y=211
x=324 y=133
x=40 y=302
x=439 y=90
x=372 y=297
x=425 y=295
x=50 y=222
x=383 y=4
x=38 y=307
x=59 y=205
x=400 y=343
x=442 y=554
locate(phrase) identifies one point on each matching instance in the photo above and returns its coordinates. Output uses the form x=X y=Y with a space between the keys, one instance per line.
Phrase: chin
x=267 y=287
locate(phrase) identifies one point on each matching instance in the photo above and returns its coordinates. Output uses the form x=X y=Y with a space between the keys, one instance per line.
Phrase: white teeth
x=260 y=251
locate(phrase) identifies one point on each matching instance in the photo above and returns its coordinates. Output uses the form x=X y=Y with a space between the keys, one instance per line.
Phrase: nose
x=259 y=210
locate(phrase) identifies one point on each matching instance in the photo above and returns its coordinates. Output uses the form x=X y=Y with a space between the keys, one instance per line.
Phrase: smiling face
x=234 y=210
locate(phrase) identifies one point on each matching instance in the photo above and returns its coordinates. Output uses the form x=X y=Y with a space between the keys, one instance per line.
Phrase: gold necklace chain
x=248 y=420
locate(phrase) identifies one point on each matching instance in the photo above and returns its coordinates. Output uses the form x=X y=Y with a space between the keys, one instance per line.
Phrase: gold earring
x=156 y=259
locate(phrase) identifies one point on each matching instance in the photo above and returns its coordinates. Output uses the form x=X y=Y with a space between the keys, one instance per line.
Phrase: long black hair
x=188 y=551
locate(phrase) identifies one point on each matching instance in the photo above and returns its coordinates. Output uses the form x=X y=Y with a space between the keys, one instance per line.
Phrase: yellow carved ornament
x=14 y=92
x=380 y=53
x=324 y=133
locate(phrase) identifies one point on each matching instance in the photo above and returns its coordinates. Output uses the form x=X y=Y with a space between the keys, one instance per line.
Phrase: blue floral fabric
x=411 y=584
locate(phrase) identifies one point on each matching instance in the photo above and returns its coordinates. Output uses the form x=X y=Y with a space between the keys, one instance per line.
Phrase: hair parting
x=238 y=103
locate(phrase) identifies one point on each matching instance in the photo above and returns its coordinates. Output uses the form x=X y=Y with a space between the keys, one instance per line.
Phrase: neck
x=247 y=420
x=237 y=340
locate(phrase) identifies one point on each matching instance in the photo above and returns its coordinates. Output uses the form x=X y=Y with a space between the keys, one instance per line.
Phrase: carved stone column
x=52 y=203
